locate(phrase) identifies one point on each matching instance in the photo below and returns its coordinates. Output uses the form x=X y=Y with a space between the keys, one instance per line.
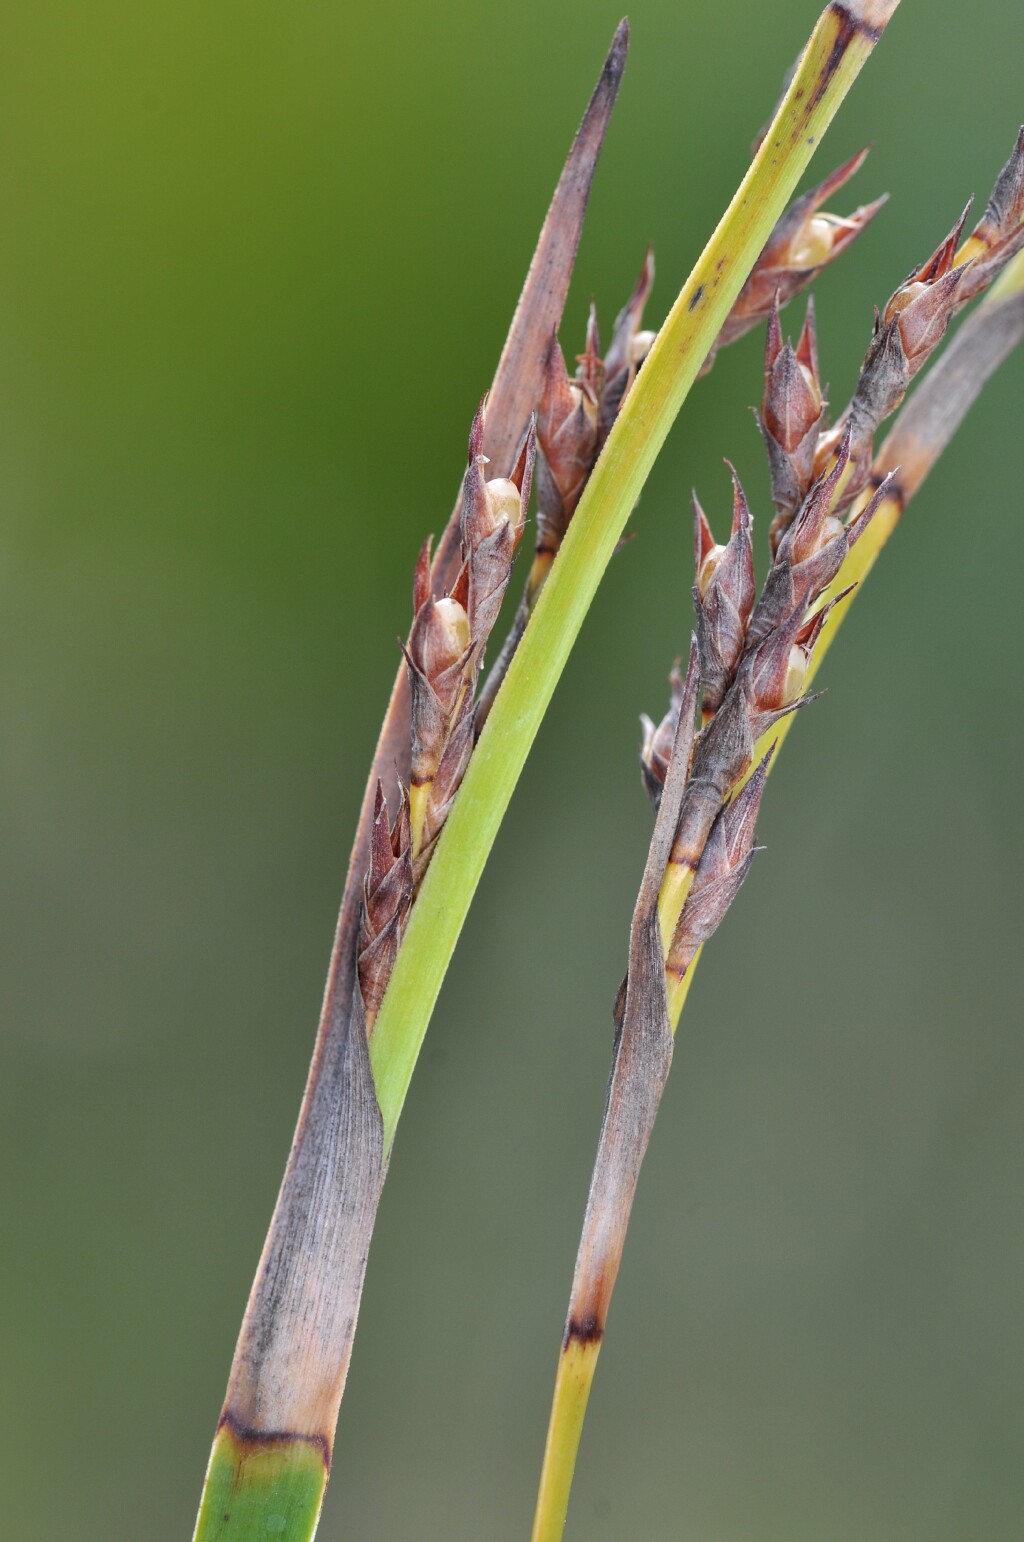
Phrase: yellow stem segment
x=573 y=1381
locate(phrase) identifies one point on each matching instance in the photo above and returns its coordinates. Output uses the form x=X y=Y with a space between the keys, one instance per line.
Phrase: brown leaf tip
x=871 y=16
x=619 y=51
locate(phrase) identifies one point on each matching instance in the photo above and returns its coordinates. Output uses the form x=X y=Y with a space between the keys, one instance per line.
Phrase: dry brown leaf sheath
x=292 y=1356
x=640 y=1063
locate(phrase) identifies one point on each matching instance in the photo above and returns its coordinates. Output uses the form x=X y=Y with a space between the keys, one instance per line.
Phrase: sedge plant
x=454 y=739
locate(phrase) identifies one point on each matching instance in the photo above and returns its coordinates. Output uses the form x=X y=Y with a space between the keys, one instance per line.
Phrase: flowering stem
x=837 y=50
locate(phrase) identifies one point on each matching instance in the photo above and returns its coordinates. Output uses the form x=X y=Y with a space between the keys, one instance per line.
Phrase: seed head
x=914 y=321
x=805 y=240
x=448 y=637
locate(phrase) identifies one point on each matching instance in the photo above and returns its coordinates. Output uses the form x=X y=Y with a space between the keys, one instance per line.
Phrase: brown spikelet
x=493 y=519
x=438 y=656
x=805 y=241
x=445 y=783
x=999 y=234
x=567 y=439
x=809 y=555
x=791 y=418
x=723 y=597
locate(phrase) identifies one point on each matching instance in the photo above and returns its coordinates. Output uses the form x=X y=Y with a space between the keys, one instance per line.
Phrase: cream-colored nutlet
x=504 y=503
x=813 y=246
x=902 y=298
x=455 y=624
x=796 y=675
x=640 y=346
x=708 y=567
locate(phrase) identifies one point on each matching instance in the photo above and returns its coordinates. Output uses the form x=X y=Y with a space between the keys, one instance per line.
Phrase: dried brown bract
x=576 y=415
x=723 y=866
x=998 y=234
x=656 y=750
x=387 y=895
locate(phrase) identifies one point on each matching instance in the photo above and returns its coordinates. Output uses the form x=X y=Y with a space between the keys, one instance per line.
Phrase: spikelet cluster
x=752 y=652
x=906 y=333
x=443 y=656
x=576 y=412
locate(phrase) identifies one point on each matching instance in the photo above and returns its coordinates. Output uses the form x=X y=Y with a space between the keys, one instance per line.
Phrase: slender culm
x=751 y=663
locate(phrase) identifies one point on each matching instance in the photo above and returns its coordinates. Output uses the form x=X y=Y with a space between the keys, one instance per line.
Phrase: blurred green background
x=256 y=265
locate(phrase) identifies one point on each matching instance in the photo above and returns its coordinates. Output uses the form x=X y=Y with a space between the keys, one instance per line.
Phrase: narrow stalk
x=838 y=48
x=923 y=429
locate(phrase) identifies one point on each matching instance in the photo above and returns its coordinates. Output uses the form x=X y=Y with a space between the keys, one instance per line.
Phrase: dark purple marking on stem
x=245 y=1435
x=849 y=27
x=583 y=1330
